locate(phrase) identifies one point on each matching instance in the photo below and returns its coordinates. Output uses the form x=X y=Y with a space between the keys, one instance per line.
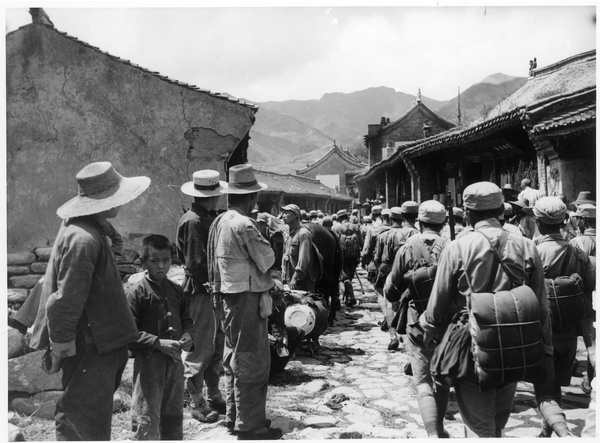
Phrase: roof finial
x=419 y=96
x=39 y=16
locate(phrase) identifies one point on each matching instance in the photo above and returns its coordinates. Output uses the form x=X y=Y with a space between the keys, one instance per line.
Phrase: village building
x=307 y=193
x=383 y=139
x=545 y=131
x=68 y=104
x=336 y=169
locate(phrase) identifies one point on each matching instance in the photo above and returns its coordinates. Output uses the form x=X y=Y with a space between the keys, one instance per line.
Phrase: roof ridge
x=581 y=57
x=327 y=155
x=219 y=95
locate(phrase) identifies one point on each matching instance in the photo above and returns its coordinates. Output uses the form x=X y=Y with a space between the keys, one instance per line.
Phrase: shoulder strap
x=501 y=244
x=566 y=260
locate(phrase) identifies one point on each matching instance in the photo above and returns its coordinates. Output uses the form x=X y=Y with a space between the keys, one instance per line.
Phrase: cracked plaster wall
x=69 y=105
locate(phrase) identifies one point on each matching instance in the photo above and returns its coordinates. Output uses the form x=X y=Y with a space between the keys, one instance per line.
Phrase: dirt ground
x=352 y=388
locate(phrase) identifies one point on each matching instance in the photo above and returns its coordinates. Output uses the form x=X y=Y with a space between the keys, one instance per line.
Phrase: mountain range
x=288 y=135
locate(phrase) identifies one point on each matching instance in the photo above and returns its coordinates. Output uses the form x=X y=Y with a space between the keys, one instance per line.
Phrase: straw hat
x=243 y=181
x=100 y=188
x=584 y=197
x=205 y=183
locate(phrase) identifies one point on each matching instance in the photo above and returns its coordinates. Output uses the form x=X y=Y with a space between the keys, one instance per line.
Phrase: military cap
x=432 y=211
x=458 y=212
x=409 y=207
x=327 y=221
x=342 y=212
x=396 y=213
x=550 y=210
x=293 y=208
x=376 y=210
x=385 y=211
x=482 y=196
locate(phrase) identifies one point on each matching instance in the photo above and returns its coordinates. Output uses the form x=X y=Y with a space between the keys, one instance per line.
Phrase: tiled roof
x=219 y=95
x=426 y=110
x=344 y=155
x=586 y=114
x=568 y=79
x=575 y=73
x=294 y=184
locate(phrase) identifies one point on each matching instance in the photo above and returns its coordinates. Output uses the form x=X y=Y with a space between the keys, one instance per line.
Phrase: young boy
x=165 y=329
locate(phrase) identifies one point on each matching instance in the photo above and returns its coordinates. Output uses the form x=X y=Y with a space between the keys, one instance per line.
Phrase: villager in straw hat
x=203 y=363
x=87 y=322
x=559 y=259
x=464 y=268
x=239 y=260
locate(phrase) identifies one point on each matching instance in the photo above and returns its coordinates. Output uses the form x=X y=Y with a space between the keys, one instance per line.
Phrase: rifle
x=450 y=215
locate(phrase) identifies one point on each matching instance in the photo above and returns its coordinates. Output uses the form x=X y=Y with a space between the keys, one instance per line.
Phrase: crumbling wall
x=69 y=104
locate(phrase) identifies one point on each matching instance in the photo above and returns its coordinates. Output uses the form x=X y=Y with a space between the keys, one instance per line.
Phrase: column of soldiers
x=427 y=278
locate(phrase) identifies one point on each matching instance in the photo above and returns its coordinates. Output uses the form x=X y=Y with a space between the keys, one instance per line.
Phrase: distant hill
x=477 y=100
x=289 y=134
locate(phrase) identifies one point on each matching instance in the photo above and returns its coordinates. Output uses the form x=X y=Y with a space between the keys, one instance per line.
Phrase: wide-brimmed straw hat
x=243 y=181
x=101 y=188
x=584 y=197
x=205 y=183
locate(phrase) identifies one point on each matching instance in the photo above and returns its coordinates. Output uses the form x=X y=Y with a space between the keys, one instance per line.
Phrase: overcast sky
x=264 y=53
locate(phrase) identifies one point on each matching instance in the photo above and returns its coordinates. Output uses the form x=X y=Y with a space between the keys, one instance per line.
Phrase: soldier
x=299 y=270
x=378 y=225
x=400 y=232
x=432 y=405
x=587 y=225
x=351 y=241
x=459 y=221
x=560 y=259
x=463 y=269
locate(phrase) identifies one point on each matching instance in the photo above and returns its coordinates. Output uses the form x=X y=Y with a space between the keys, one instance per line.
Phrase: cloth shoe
x=203 y=413
x=231 y=426
x=261 y=434
x=586 y=387
x=218 y=404
x=394 y=345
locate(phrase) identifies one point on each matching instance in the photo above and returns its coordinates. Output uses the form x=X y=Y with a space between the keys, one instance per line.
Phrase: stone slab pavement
x=355 y=388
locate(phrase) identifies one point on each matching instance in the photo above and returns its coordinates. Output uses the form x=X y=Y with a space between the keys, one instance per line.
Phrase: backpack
x=506 y=330
x=565 y=294
x=350 y=243
x=419 y=280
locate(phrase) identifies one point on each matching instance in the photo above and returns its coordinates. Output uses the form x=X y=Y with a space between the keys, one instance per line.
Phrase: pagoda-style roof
x=345 y=156
x=296 y=185
x=418 y=106
x=551 y=90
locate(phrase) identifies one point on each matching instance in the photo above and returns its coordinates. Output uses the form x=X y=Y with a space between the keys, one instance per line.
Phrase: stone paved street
x=356 y=388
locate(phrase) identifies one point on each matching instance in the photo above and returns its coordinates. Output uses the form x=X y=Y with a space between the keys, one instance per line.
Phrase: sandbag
x=567 y=302
x=420 y=284
x=507 y=337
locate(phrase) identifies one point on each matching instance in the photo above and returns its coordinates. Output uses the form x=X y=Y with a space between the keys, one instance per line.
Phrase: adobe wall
x=69 y=105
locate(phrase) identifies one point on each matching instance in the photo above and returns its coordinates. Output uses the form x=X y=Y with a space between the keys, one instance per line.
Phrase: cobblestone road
x=356 y=388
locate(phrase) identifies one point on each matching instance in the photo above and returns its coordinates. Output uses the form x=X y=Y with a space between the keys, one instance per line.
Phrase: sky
x=301 y=51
